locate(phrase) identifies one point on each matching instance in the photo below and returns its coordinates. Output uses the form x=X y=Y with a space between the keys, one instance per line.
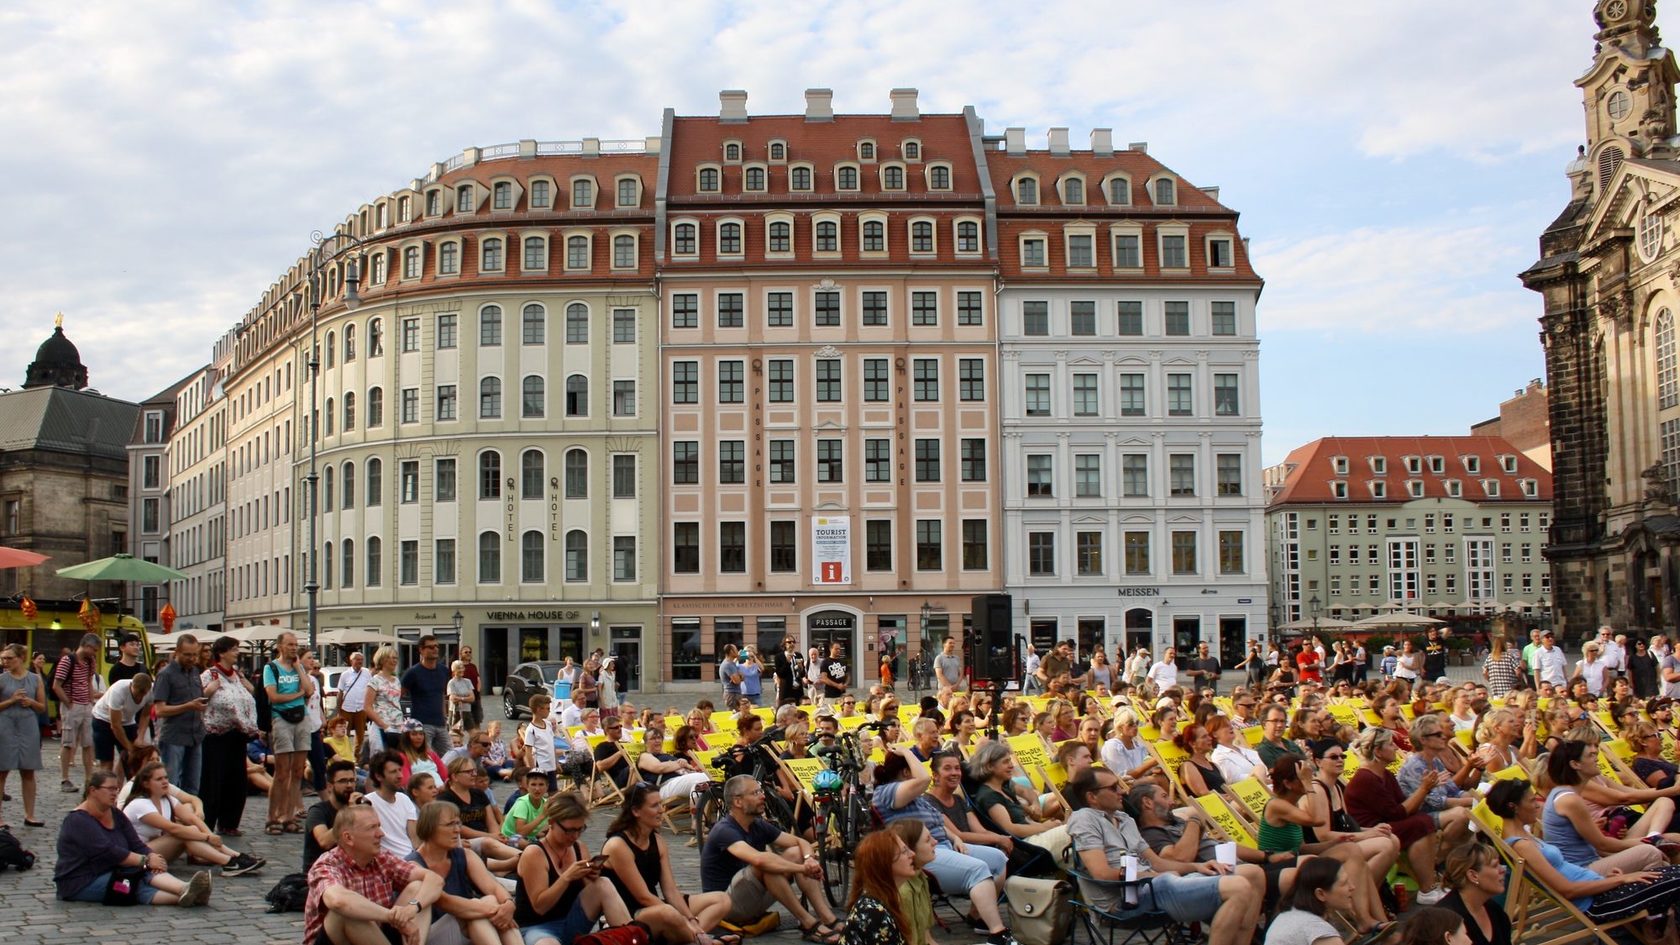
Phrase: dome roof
x=58 y=349
x=57 y=363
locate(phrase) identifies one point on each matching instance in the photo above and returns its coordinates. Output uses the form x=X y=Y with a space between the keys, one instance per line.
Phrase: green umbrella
x=121 y=568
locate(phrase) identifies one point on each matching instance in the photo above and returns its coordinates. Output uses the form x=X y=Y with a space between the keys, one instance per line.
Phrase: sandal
x=292 y=827
x=33 y=823
x=819 y=934
x=274 y=829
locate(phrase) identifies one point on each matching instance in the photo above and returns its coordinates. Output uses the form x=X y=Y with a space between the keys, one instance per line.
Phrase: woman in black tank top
x=560 y=892
x=639 y=867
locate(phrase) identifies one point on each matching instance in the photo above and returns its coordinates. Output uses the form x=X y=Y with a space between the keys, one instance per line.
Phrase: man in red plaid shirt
x=360 y=894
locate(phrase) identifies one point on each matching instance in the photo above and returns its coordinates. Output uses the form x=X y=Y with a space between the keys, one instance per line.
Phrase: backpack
x=1041 y=909
x=12 y=852
x=265 y=711
x=289 y=894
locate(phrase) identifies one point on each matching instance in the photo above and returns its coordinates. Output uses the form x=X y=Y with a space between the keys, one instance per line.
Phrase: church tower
x=1627 y=94
x=57 y=362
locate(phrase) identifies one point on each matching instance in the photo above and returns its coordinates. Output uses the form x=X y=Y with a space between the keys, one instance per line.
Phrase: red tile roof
x=1310 y=470
x=1137 y=165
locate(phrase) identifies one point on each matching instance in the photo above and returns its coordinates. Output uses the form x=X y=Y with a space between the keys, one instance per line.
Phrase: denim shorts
x=576 y=923
x=94 y=891
x=1186 y=898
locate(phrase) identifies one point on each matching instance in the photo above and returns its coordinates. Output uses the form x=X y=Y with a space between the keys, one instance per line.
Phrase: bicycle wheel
x=834 y=855
x=858 y=821
x=778 y=811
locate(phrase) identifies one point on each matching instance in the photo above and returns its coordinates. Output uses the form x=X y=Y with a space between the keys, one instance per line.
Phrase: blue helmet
x=826 y=781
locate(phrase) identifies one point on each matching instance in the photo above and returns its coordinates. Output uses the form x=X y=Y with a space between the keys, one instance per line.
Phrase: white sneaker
x=1431 y=897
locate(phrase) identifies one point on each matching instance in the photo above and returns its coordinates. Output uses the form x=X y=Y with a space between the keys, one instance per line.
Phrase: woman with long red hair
x=881 y=863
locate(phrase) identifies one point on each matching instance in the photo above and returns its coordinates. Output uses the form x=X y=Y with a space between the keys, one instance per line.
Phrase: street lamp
x=320 y=256
x=457 y=618
x=1317 y=607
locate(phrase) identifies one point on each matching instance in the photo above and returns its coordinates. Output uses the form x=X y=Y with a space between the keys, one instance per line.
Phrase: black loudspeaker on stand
x=994 y=655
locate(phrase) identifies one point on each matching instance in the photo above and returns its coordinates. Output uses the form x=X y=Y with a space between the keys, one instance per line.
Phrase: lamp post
x=320 y=256
x=1317 y=608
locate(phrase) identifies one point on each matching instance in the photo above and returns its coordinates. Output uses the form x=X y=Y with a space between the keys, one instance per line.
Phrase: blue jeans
x=184 y=763
x=95 y=890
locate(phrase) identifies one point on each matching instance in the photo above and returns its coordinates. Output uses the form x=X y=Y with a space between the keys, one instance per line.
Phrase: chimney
x=1141 y=147
x=1015 y=140
x=819 y=104
x=732 y=105
x=1102 y=142
x=904 y=105
x=1059 y=142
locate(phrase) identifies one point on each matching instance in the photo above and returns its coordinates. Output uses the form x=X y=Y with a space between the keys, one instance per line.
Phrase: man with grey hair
x=758 y=864
x=73 y=682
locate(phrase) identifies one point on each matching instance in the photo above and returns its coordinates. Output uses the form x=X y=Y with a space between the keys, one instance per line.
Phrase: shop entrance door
x=1140 y=631
x=1233 y=640
x=626 y=648
x=1187 y=632
x=829 y=627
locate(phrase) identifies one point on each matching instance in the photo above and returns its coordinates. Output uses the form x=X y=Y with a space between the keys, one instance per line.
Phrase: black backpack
x=12 y=852
x=288 y=894
x=265 y=711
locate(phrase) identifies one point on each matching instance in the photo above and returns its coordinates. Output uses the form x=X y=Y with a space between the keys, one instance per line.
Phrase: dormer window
x=1166 y=193
x=1508 y=463
x=892 y=177
x=1531 y=488
x=501 y=196
x=778 y=151
x=754 y=180
x=464 y=198
x=1473 y=465
x=434 y=203
x=912 y=150
x=1379 y=489
x=846 y=177
x=799 y=179
x=866 y=150
x=1338 y=489
x=1414 y=464
x=1219 y=254
x=1073 y=191
x=1379 y=465
x=939 y=177
x=1119 y=192
x=1414 y=488
x=583 y=193
x=1455 y=488
x=540 y=195
x=1437 y=465
x=732 y=151
x=1490 y=488
x=709 y=180
x=1026 y=191
x=1339 y=464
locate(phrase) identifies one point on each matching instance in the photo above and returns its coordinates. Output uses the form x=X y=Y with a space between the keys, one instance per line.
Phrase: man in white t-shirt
x=352 y=698
x=116 y=717
x=1613 y=654
x=396 y=811
x=573 y=713
x=813 y=673
x=1164 y=674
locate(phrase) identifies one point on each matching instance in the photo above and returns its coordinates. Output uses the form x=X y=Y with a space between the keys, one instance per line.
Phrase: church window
x=1668 y=383
x=1650 y=236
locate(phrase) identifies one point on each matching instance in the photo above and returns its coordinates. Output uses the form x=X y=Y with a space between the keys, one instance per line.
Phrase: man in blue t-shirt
x=754 y=860
x=425 y=685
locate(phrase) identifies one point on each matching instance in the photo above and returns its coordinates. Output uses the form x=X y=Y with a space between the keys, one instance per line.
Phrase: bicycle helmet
x=827 y=782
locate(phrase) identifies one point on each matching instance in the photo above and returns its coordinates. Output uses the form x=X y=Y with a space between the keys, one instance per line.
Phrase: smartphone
x=597 y=861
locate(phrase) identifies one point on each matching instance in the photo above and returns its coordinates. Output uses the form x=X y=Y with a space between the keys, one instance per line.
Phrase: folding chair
x=1106 y=927
x=1541 y=915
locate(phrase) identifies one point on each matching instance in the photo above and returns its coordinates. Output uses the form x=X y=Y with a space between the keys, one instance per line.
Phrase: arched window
x=349 y=343
x=968 y=236
x=327 y=488
x=531 y=474
x=1165 y=193
x=799 y=178
x=490 y=475
x=330 y=413
x=489 y=558
x=781 y=237
x=892 y=177
x=349 y=411
x=577 y=556
x=577 y=396
x=708 y=180
x=1119 y=191
x=729 y=238
x=577 y=324
x=921 y=237
x=1026 y=191
x=332 y=341
x=375 y=549
x=624 y=252
x=531 y=558
x=685 y=243
x=828 y=237
x=532 y=324
x=536 y=253
x=492 y=259
x=778 y=151
x=326 y=563
x=490 y=398
x=1668 y=384
x=374 y=494
x=846 y=178
x=754 y=178
x=1073 y=191
x=347 y=555
x=577 y=474
x=501 y=196
x=583 y=192
x=449 y=258
x=577 y=252
x=531 y=398
x=348 y=485
x=874 y=236
x=939 y=177
x=376 y=337
x=490 y=325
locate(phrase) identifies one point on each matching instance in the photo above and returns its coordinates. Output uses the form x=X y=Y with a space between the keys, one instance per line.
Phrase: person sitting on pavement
x=473 y=906
x=481 y=821
x=753 y=860
x=101 y=857
x=561 y=892
x=901 y=785
x=881 y=862
x=318 y=825
x=396 y=810
x=360 y=892
x=416 y=752
x=171 y=829
x=1208 y=892
x=526 y=821
x=639 y=867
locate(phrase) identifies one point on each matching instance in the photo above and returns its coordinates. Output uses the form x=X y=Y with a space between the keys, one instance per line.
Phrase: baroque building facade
x=1609 y=275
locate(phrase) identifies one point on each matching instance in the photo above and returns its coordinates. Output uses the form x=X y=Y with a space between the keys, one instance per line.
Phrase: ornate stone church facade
x=1609 y=272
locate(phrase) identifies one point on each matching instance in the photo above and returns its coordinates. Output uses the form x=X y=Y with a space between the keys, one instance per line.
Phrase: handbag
x=1042 y=909
x=123 y=889
x=292 y=716
x=633 y=934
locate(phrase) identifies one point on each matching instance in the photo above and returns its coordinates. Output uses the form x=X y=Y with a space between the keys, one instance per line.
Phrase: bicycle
x=843 y=815
x=759 y=761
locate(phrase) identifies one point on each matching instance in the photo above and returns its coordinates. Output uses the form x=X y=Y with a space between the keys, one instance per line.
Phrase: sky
x=1393 y=161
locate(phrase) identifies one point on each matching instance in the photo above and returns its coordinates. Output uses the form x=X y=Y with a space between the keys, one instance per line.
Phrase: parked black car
x=526 y=680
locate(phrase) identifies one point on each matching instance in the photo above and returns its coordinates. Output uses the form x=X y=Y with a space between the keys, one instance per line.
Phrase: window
x=1082 y=317
x=1087 y=475
x=731 y=382
x=927 y=460
x=1228 y=471
x=1137 y=552
x=1184 y=552
x=444 y=410
x=1026 y=191
x=709 y=180
x=490 y=398
x=1128 y=251
x=577 y=556
x=624 y=252
x=732 y=547
x=1668 y=375
x=1177 y=318
x=799 y=179
x=866 y=150
x=1073 y=191
x=1231 y=552
x=1038 y=395
x=375 y=495
x=583 y=193
x=827 y=309
x=1033 y=253
x=779 y=310
x=1165 y=192
x=783 y=464
x=1180 y=400
x=577 y=474
x=443 y=480
x=1225 y=400
x=828 y=236
x=533 y=324
x=685 y=382
x=1224 y=316
x=1085 y=395
x=829 y=384
x=449 y=259
x=1131 y=318
x=876 y=384
x=939 y=177
x=408 y=481
x=532 y=397
x=973 y=459
x=577 y=396
x=925 y=374
x=624 y=398
x=349 y=411
x=541 y=198
x=781 y=381
x=464 y=198
x=490 y=475
x=971 y=379
x=411 y=262
x=874 y=303
x=1040 y=475
x=408 y=563
x=1035 y=318
x=921 y=237
x=1081 y=255
x=577 y=252
x=1219 y=253
x=924 y=308
x=731 y=310
x=892 y=178
x=874 y=236
x=729 y=239
x=685 y=310
x=624 y=326
x=784 y=545
x=1173 y=252
x=732 y=151
x=781 y=237
x=629 y=192
x=685 y=547
x=684 y=240
x=685 y=462
x=1041 y=553
x=491 y=255
x=930 y=545
x=831 y=460
x=490 y=325
x=968 y=236
x=1134 y=475
x=347 y=550
x=732 y=462
x=446 y=329
x=877 y=460
x=1181 y=474
x=877 y=545
x=624 y=557
x=531 y=569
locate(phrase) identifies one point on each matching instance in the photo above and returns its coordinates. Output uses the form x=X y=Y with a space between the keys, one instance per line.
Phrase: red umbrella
x=18 y=558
